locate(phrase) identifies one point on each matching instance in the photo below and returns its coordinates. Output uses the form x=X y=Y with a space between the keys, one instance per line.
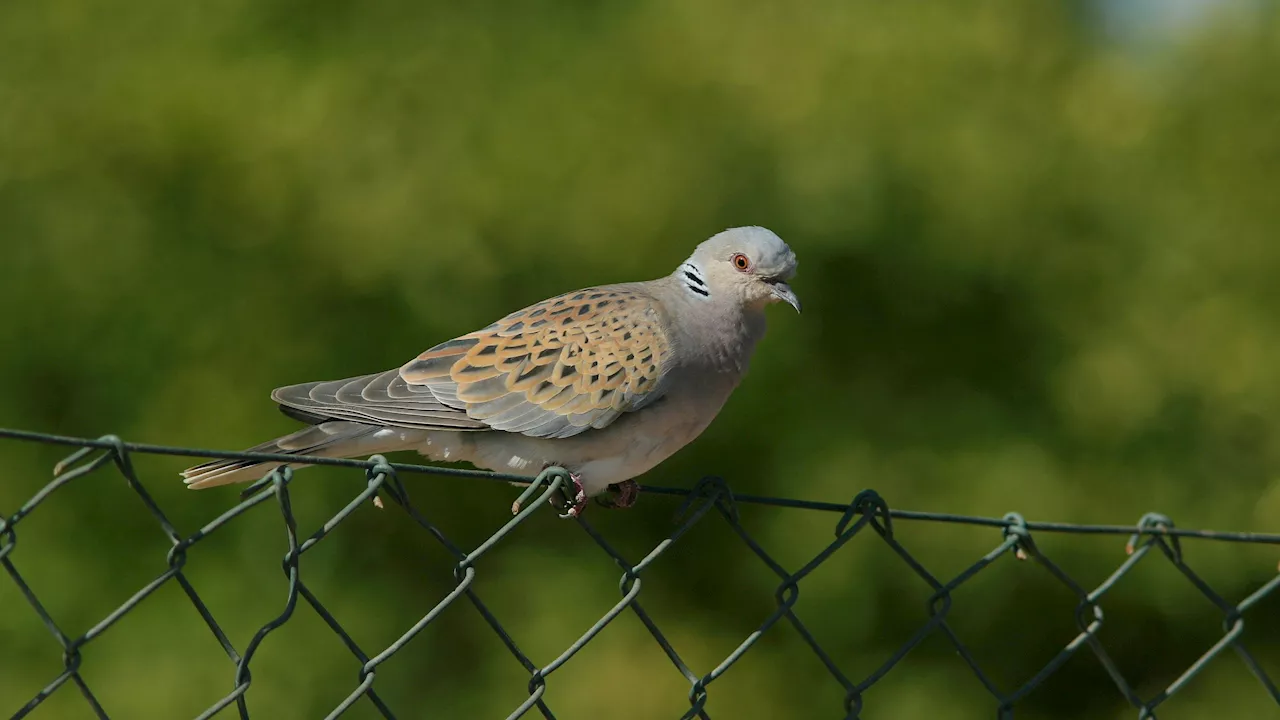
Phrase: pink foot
x=578 y=494
x=579 y=502
x=626 y=493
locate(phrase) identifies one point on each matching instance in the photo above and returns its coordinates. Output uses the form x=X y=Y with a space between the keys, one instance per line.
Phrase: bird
x=606 y=382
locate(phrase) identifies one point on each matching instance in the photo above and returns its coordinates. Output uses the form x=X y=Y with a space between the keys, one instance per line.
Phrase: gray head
x=749 y=264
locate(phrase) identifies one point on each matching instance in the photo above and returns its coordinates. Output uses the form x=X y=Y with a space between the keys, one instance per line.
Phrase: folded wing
x=554 y=369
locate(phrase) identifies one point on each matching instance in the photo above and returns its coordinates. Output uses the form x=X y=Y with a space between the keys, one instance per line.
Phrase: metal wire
x=1153 y=536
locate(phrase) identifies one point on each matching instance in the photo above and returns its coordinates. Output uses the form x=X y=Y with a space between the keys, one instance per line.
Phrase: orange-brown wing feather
x=556 y=368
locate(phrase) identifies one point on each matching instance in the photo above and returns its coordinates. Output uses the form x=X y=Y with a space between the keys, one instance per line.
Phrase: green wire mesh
x=866 y=515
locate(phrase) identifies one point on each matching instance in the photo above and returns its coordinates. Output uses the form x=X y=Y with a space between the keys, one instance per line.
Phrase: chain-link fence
x=867 y=515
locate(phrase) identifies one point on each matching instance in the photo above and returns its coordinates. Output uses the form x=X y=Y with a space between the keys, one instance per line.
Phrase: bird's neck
x=717 y=334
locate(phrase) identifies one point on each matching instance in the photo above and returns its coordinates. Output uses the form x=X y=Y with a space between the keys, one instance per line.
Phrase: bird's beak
x=783 y=292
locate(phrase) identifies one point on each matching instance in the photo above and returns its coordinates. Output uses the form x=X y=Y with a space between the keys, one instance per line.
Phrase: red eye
x=741 y=262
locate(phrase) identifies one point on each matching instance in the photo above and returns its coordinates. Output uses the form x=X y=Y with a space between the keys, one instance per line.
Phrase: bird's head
x=750 y=264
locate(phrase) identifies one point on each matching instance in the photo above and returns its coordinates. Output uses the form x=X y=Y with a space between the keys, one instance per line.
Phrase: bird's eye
x=742 y=262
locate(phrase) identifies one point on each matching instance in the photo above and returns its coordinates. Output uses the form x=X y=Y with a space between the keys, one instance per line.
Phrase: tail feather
x=333 y=439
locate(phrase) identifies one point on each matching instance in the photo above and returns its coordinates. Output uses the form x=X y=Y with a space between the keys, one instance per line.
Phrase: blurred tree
x=1038 y=264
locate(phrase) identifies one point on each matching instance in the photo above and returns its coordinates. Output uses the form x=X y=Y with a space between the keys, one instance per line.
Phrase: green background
x=1038 y=258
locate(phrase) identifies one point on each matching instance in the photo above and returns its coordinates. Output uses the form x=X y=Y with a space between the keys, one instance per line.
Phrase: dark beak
x=783 y=292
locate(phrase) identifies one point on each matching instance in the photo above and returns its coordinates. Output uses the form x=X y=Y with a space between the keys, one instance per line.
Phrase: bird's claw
x=575 y=499
x=623 y=495
x=579 y=497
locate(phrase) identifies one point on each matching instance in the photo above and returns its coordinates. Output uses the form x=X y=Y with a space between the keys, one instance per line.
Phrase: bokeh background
x=1038 y=257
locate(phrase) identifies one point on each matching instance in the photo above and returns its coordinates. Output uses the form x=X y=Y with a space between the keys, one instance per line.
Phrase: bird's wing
x=556 y=368
x=378 y=399
x=553 y=369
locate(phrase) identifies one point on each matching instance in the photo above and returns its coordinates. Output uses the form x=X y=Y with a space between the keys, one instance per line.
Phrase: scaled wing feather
x=553 y=369
x=556 y=368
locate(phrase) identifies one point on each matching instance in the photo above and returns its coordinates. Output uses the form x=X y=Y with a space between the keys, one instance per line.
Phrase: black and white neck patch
x=691 y=275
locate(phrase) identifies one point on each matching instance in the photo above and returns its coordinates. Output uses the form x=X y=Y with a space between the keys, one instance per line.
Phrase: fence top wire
x=1154 y=534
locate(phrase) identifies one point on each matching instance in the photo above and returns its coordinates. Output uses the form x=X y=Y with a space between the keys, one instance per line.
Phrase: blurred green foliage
x=1039 y=271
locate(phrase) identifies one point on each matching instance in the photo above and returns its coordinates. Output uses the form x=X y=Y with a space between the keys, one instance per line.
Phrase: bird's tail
x=334 y=439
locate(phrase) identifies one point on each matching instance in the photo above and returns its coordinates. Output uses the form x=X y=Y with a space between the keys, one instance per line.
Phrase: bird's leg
x=624 y=495
x=575 y=498
x=579 y=495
